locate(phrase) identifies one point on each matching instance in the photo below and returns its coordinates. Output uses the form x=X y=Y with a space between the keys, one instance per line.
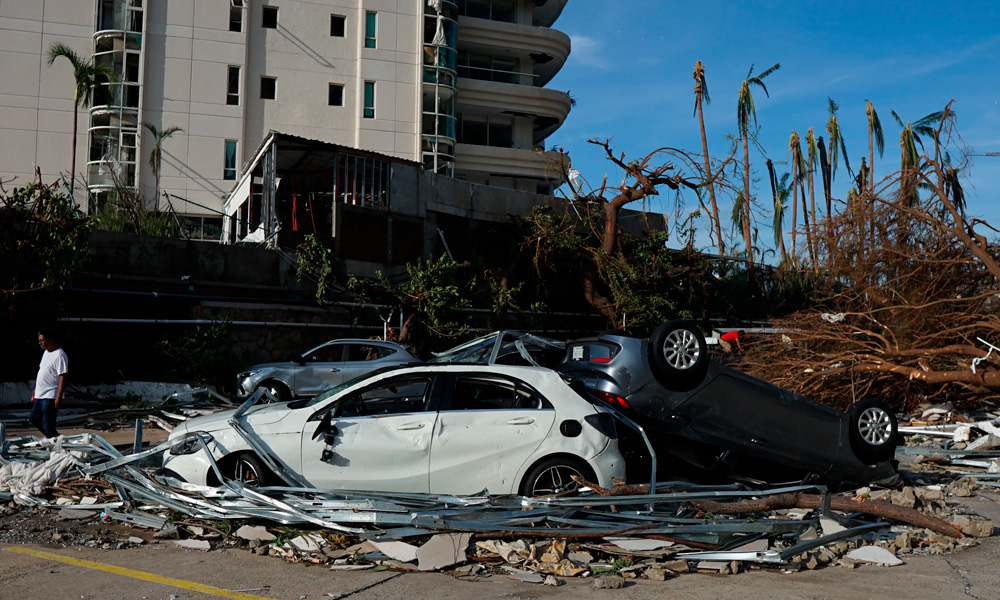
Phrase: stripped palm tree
x=745 y=110
x=701 y=96
x=86 y=76
x=779 y=191
x=798 y=173
x=909 y=161
x=876 y=139
x=837 y=149
x=156 y=156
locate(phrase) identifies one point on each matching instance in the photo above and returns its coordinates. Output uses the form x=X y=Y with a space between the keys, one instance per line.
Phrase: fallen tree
x=912 y=286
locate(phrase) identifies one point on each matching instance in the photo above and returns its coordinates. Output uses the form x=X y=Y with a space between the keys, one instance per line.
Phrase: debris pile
x=680 y=528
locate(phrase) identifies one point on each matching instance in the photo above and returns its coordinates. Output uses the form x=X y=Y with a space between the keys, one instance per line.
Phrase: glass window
x=369 y=100
x=233 y=86
x=363 y=352
x=335 y=94
x=393 y=397
x=269 y=17
x=236 y=15
x=229 y=170
x=326 y=354
x=475 y=393
x=337 y=25
x=370 y=27
x=267 y=88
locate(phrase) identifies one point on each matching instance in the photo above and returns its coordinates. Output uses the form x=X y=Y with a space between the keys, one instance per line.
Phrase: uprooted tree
x=912 y=285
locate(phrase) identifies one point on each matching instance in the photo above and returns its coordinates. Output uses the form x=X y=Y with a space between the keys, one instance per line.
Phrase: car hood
x=288 y=364
x=260 y=415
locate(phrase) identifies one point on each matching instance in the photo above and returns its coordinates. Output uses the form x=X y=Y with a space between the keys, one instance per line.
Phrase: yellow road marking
x=180 y=583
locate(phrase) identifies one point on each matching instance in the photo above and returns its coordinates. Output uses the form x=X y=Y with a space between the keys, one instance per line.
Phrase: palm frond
x=876 y=127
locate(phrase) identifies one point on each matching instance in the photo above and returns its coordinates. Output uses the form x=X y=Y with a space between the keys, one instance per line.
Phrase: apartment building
x=455 y=85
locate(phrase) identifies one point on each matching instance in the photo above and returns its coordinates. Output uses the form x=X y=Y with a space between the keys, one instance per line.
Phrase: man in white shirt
x=49 y=384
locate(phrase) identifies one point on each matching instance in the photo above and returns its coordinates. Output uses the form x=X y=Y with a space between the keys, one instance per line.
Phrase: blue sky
x=630 y=74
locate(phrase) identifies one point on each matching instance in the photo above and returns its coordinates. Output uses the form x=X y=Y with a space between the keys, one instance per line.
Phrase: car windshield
x=339 y=388
x=476 y=351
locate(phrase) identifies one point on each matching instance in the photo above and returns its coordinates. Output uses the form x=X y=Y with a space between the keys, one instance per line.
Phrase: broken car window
x=477 y=393
x=393 y=397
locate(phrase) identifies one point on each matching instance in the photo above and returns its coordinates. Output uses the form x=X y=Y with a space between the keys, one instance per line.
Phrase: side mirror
x=326 y=428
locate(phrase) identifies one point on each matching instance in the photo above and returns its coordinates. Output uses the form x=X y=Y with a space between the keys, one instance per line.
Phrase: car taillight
x=612 y=399
x=604 y=423
x=603 y=361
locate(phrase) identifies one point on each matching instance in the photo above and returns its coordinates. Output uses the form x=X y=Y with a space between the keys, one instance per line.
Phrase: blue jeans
x=43 y=416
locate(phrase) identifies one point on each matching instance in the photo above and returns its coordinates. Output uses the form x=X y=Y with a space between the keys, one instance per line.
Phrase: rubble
x=654 y=535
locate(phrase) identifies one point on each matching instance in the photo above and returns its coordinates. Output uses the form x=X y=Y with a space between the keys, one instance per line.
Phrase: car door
x=322 y=369
x=360 y=358
x=487 y=428
x=382 y=440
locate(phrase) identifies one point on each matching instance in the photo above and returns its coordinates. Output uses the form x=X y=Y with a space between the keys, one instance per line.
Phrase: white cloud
x=587 y=52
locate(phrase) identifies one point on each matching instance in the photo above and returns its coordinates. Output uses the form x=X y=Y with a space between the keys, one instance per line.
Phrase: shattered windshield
x=339 y=388
x=476 y=351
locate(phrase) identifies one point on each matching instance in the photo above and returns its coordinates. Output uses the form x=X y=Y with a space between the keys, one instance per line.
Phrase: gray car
x=322 y=368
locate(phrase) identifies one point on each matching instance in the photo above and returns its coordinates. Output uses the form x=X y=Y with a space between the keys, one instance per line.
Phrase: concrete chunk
x=443 y=551
x=609 y=583
x=875 y=555
x=255 y=533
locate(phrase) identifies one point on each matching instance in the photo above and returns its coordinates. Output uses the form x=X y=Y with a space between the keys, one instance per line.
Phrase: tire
x=552 y=476
x=873 y=430
x=278 y=390
x=248 y=470
x=679 y=354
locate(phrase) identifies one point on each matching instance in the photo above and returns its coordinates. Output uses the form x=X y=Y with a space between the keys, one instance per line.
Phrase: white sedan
x=448 y=429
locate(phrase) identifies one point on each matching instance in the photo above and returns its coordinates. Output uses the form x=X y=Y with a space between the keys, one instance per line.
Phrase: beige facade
x=457 y=86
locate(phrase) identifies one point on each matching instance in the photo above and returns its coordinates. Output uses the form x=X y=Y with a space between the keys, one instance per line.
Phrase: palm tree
x=86 y=74
x=779 y=191
x=837 y=148
x=744 y=112
x=701 y=96
x=793 y=142
x=909 y=162
x=157 y=155
x=876 y=139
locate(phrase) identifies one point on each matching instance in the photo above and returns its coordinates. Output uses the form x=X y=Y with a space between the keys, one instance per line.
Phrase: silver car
x=322 y=368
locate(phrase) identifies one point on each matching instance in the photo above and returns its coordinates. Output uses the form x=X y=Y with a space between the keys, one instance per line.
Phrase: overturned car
x=452 y=429
x=709 y=422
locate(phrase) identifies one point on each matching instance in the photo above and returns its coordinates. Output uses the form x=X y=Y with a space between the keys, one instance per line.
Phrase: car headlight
x=246 y=374
x=190 y=445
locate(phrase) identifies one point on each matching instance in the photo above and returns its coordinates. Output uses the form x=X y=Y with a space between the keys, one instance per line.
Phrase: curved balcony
x=547 y=48
x=547 y=11
x=507 y=162
x=546 y=107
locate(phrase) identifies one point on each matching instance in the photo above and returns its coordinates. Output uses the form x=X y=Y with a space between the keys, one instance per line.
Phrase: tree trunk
x=746 y=200
x=72 y=162
x=795 y=209
x=711 y=182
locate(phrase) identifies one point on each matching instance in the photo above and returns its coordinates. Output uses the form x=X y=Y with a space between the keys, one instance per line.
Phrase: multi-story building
x=457 y=85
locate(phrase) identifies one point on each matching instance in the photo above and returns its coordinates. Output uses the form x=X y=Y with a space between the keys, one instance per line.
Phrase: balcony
x=547 y=48
x=547 y=11
x=546 y=107
x=507 y=162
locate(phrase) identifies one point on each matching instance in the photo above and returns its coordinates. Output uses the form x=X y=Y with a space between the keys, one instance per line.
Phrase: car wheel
x=554 y=476
x=248 y=470
x=679 y=354
x=277 y=389
x=873 y=430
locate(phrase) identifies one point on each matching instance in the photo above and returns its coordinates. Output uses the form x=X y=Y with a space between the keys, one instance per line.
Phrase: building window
x=370 y=27
x=362 y=181
x=495 y=10
x=236 y=15
x=229 y=170
x=369 y=100
x=486 y=131
x=267 y=87
x=269 y=17
x=337 y=25
x=233 y=86
x=335 y=95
